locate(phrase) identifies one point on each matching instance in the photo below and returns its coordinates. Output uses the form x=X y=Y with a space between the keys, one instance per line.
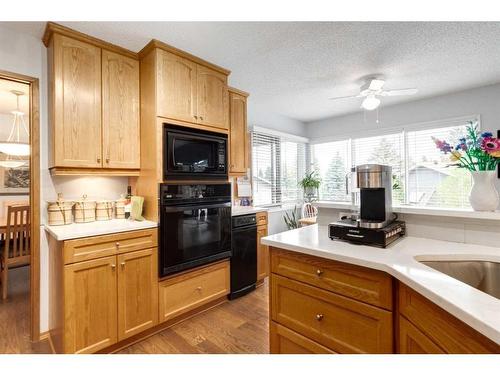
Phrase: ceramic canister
x=104 y=210
x=84 y=211
x=120 y=207
x=59 y=212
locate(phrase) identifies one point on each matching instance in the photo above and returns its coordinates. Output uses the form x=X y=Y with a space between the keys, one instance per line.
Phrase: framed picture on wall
x=14 y=181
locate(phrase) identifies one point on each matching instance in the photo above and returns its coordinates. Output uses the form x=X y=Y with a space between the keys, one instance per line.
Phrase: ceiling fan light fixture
x=376 y=84
x=370 y=103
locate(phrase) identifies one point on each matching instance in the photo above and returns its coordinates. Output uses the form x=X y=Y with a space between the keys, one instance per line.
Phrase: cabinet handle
x=201 y=118
x=319 y=317
x=98 y=160
x=117 y=244
x=122 y=264
x=196 y=117
x=113 y=266
x=107 y=160
x=198 y=289
x=319 y=272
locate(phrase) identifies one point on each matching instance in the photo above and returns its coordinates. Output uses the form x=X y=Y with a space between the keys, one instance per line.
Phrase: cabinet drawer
x=100 y=246
x=286 y=341
x=339 y=323
x=188 y=291
x=363 y=284
x=448 y=332
x=261 y=218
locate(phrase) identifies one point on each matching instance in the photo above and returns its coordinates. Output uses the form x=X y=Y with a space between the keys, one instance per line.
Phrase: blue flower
x=486 y=135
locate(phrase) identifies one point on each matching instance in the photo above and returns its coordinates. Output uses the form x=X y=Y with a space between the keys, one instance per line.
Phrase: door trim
x=34 y=197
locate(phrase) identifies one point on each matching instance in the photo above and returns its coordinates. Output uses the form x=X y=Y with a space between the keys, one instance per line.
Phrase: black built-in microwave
x=193 y=154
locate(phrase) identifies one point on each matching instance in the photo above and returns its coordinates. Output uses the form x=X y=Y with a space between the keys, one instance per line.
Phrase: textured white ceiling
x=291 y=68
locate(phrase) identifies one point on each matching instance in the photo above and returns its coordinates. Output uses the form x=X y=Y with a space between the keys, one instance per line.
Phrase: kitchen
x=169 y=202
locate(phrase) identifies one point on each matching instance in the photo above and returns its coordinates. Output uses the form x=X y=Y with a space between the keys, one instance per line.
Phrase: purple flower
x=486 y=135
x=444 y=146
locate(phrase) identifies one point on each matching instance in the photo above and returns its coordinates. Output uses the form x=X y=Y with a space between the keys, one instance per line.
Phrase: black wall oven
x=195 y=225
x=193 y=154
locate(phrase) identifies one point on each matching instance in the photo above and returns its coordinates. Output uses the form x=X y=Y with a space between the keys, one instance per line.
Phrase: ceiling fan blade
x=399 y=92
x=346 y=97
x=376 y=84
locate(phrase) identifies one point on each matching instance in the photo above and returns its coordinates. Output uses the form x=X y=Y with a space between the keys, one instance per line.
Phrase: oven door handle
x=195 y=207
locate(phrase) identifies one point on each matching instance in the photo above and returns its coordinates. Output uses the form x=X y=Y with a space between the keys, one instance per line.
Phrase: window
x=421 y=173
x=278 y=164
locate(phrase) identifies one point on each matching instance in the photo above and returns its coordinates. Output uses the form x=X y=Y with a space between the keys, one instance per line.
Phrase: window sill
x=430 y=211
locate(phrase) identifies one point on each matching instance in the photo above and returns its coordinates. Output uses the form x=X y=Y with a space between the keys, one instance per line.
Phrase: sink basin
x=482 y=275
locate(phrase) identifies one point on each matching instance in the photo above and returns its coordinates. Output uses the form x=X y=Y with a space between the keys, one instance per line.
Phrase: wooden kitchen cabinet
x=75 y=84
x=286 y=341
x=94 y=105
x=212 y=98
x=413 y=341
x=262 y=254
x=90 y=305
x=120 y=111
x=137 y=292
x=111 y=297
x=177 y=87
x=238 y=136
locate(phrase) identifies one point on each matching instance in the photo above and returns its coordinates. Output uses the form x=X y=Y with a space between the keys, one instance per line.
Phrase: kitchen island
x=387 y=297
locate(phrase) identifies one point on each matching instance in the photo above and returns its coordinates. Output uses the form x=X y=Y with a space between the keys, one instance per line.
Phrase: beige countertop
x=477 y=309
x=96 y=228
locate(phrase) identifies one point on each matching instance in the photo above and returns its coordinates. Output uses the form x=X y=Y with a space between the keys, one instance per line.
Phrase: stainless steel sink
x=481 y=275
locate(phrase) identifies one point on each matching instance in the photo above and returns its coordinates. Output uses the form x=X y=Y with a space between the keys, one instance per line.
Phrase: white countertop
x=96 y=228
x=245 y=210
x=479 y=310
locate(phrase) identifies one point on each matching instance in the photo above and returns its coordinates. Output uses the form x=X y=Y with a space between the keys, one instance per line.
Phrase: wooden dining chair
x=17 y=243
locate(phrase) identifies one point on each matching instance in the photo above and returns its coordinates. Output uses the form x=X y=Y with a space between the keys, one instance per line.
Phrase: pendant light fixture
x=13 y=145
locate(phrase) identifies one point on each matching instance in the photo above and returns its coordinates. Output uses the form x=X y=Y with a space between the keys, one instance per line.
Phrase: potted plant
x=291 y=219
x=480 y=154
x=310 y=184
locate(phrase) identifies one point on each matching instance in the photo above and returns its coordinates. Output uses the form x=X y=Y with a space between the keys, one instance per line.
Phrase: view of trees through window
x=421 y=174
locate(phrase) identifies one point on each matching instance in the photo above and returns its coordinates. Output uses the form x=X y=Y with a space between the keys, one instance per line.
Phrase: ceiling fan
x=372 y=89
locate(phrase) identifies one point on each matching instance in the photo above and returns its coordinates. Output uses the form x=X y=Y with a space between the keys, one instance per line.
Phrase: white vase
x=484 y=195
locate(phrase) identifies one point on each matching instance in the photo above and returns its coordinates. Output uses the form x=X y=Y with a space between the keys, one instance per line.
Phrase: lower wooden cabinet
x=90 y=305
x=413 y=341
x=286 y=341
x=137 y=292
x=97 y=303
x=185 y=292
x=262 y=254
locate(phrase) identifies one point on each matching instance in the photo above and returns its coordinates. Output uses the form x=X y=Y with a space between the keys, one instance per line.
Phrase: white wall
x=484 y=101
x=24 y=54
x=275 y=121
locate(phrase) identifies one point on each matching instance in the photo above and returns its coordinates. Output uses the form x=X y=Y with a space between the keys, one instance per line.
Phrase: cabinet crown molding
x=238 y=91
x=154 y=43
x=53 y=27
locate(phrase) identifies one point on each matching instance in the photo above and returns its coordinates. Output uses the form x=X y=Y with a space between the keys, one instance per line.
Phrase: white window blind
x=332 y=162
x=421 y=173
x=386 y=150
x=431 y=182
x=277 y=167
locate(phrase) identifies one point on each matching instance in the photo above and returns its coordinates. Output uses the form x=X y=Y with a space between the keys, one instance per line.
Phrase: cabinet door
x=286 y=341
x=137 y=292
x=412 y=341
x=262 y=254
x=76 y=104
x=212 y=98
x=238 y=133
x=90 y=305
x=176 y=92
x=120 y=111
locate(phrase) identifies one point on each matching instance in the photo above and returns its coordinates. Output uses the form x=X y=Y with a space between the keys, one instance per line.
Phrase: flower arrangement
x=475 y=152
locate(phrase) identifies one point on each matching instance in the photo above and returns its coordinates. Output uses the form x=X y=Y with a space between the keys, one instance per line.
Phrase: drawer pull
x=319 y=317
x=117 y=244
x=319 y=272
x=198 y=288
x=122 y=264
x=113 y=266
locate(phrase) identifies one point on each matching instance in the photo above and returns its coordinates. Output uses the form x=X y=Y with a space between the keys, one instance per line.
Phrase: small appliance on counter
x=244 y=258
x=376 y=223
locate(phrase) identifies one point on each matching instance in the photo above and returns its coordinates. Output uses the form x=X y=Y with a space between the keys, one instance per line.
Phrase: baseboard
x=161 y=327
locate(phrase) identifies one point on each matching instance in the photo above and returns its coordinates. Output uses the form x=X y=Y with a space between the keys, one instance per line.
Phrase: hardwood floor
x=15 y=316
x=240 y=326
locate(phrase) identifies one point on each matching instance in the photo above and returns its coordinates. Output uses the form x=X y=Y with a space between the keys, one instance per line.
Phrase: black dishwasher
x=244 y=258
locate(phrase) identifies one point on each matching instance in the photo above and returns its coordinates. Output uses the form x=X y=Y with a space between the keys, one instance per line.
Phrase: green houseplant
x=310 y=184
x=291 y=219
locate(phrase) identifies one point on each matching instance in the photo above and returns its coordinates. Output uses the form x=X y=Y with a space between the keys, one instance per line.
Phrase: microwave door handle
x=196 y=206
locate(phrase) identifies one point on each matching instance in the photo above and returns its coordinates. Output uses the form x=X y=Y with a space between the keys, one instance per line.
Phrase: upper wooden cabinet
x=238 y=140
x=189 y=89
x=177 y=98
x=76 y=110
x=120 y=111
x=212 y=97
x=94 y=105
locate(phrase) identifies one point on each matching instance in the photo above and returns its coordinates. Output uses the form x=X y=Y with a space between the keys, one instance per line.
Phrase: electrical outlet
x=344 y=214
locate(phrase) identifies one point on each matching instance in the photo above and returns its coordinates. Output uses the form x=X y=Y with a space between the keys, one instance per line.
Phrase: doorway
x=19 y=213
